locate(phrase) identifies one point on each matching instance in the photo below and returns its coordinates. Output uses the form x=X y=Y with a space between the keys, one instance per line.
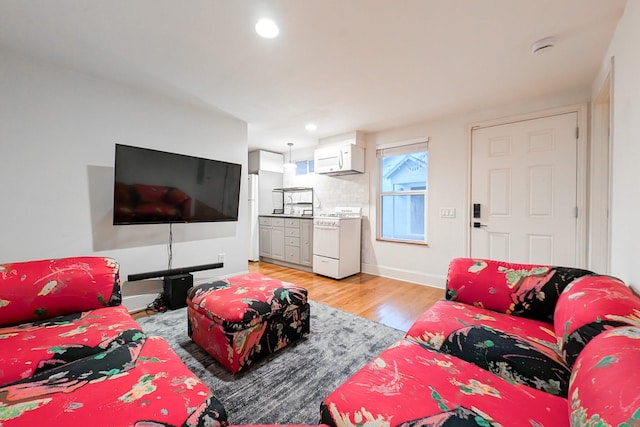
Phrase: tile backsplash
x=333 y=191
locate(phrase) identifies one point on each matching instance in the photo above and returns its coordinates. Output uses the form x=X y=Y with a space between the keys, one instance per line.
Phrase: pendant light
x=291 y=166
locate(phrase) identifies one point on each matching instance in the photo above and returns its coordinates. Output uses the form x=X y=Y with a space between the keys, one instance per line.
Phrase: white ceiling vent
x=543 y=45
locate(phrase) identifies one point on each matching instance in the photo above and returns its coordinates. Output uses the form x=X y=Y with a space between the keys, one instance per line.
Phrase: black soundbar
x=173 y=271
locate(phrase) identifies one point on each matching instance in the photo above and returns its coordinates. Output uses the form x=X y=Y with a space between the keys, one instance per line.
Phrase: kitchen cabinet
x=265 y=240
x=271 y=237
x=292 y=243
x=287 y=241
x=306 y=242
x=277 y=242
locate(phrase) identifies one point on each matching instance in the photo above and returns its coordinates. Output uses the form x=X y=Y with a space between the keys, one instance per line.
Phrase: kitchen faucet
x=290 y=203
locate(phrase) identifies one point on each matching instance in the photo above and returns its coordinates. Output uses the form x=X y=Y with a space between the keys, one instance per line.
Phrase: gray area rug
x=288 y=386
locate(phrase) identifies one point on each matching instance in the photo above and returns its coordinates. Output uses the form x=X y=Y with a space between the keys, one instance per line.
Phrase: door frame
x=581 y=171
x=599 y=252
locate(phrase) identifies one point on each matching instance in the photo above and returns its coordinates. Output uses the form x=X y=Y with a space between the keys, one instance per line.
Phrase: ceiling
x=344 y=65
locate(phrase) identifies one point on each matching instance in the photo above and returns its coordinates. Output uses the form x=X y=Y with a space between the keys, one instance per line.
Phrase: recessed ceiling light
x=267 y=28
x=311 y=127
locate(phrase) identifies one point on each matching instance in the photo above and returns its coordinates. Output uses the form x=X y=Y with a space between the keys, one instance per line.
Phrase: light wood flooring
x=391 y=302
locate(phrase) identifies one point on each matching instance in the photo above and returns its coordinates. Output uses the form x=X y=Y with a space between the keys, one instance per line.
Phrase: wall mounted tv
x=152 y=187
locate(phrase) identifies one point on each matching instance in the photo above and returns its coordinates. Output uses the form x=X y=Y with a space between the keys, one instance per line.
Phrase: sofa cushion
x=526 y=290
x=409 y=385
x=588 y=307
x=30 y=348
x=517 y=349
x=605 y=383
x=36 y=290
x=140 y=384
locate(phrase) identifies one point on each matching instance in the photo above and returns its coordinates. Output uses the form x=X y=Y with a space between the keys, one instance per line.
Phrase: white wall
x=58 y=128
x=625 y=200
x=448 y=187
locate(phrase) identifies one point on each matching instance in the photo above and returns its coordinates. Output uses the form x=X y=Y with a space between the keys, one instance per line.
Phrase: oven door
x=326 y=241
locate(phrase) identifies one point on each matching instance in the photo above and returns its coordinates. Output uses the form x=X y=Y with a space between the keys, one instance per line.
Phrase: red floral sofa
x=70 y=355
x=512 y=345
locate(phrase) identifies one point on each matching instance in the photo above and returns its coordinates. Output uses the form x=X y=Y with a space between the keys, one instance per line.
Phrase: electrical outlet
x=221 y=257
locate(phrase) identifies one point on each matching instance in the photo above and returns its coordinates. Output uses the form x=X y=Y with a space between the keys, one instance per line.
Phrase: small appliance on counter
x=336 y=242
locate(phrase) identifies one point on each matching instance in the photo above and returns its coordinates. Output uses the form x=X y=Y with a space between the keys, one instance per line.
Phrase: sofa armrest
x=590 y=306
x=605 y=382
x=527 y=290
x=36 y=290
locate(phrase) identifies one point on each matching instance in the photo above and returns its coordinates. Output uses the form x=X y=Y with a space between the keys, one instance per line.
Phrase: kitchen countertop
x=287 y=216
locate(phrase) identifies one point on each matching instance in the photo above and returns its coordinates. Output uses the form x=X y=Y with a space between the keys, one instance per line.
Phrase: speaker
x=173 y=271
x=175 y=290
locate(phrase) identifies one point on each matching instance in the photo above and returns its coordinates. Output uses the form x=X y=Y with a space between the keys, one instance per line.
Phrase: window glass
x=301 y=168
x=304 y=167
x=403 y=196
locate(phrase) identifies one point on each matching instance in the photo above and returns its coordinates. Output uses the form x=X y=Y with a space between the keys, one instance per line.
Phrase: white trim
x=401 y=143
x=581 y=171
x=577 y=108
x=599 y=247
x=433 y=281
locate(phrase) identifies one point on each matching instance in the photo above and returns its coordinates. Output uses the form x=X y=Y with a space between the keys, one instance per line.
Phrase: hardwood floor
x=391 y=302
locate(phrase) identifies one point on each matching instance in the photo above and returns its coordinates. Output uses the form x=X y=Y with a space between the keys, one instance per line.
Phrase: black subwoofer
x=175 y=290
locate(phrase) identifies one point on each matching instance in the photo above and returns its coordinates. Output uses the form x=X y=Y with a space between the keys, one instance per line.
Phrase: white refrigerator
x=262 y=201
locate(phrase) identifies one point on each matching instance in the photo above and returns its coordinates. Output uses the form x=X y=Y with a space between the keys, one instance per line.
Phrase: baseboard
x=135 y=303
x=406 y=275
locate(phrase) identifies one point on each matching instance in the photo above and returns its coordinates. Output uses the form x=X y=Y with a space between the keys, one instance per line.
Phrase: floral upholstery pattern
x=142 y=383
x=500 y=351
x=30 y=348
x=590 y=306
x=71 y=355
x=517 y=349
x=411 y=385
x=242 y=319
x=43 y=289
x=525 y=290
x=605 y=383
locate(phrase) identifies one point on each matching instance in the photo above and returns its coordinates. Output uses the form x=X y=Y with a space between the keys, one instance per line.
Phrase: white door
x=524 y=191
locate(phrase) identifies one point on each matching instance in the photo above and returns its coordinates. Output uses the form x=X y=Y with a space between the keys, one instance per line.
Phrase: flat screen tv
x=152 y=187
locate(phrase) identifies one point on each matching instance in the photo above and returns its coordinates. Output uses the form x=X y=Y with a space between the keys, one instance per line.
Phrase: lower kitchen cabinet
x=306 y=242
x=277 y=242
x=287 y=241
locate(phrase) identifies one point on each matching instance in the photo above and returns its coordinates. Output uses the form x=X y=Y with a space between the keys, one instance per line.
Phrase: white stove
x=336 y=242
x=334 y=217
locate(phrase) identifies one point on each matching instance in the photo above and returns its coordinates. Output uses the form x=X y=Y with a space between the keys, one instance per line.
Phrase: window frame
x=398 y=148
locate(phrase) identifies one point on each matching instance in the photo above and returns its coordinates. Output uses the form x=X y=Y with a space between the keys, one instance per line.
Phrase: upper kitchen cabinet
x=262 y=160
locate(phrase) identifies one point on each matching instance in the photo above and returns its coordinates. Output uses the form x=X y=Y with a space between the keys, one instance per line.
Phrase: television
x=152 y=187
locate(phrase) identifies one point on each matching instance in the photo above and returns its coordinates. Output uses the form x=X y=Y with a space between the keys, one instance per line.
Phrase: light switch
x=447 y=212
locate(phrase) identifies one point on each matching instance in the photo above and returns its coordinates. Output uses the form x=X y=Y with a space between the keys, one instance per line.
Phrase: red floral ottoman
x=244 y=318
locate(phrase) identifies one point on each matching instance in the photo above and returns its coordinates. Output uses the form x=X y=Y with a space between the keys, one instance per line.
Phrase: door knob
x=478 y=225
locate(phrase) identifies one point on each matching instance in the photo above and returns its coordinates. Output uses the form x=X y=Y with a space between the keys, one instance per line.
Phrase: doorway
x=525 y=191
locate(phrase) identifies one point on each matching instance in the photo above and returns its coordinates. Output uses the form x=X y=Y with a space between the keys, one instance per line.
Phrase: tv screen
x=153 y=187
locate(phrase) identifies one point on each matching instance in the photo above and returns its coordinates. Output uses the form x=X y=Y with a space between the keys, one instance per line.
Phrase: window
x=403 y=189
x=304 y=167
